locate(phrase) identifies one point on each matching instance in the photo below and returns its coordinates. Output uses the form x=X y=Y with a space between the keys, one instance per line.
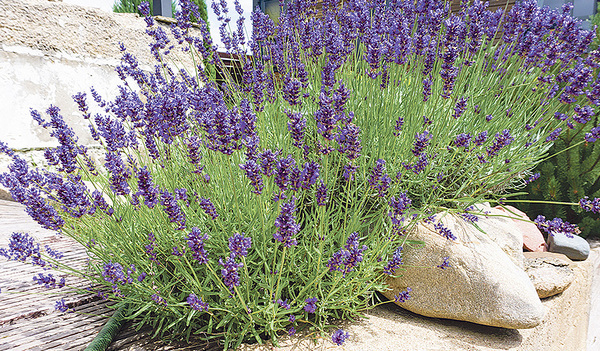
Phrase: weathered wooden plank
x=55 y=329
x=28 y=320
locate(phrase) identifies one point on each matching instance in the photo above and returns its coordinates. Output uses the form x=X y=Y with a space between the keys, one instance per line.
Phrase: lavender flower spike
x=321 y=194
x=196 y=303
x=339 y=337
x=231 y=277
x=394 y=263
x=311 y=305
x=403 y=295
x=239 y=244
x=61 y=306
x=589 y=205
x=209 y=208
x=286 y=224
x=345 y=260
x=196 y=244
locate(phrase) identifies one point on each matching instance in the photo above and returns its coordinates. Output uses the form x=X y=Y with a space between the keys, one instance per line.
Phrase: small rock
x=549 y=272
x=533 y=239
x=482 y=285
x=575 y=248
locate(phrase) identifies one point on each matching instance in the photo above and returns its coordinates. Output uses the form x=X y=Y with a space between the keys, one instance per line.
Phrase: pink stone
x=533 y=240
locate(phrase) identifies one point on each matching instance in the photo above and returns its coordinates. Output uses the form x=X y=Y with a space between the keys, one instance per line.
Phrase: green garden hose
x=109 y=331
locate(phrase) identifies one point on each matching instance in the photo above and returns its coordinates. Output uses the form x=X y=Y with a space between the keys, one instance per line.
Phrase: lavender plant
x=283 y=199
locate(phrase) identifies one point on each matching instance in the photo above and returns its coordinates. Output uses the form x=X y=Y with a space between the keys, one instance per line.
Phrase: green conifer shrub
x=567 y=177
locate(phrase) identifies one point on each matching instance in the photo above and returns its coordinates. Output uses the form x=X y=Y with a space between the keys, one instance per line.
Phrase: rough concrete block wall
x=50 y=51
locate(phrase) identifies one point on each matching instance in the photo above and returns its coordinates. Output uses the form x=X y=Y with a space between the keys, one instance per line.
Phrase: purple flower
x=194 y=154
x=65 y=154
x=533 y=178
x=292 y=331
x=463 y=140
x=141 y=277
x=553 y=135
x=119 y=173
x=101 y=203
x=399 y=206
x=296 y=127
x=113 y=272
x=444 y=263
x=5 y=149
x=583 y=114
x=557 y=225
x=52 y=253
x=239 y=245
x=61 y=306
x=339 y=337
x=394 y=263
x=40 y=209
x=444 y=231
x=349 y=170
x=421 y=142
x=403 y=295
x=345 y=260
x=309 y=175
x=48 y=281
x=181 y=194
x=231 y=277
x=286 y=224
x=196 y=303
x=481 y=138
x=158 y=299
x=291 y=91
x=73 y=196
x=146 y=188
x=593 y=135
x=461 y=106
x=283 y=173
x=252 y=170
x=469 y=217
x=21 y=247
x=150 y=247
x=590 y=205
x=268 y=162
x=292 y=318
x=144 y=8
x=284 y=304
x=321 y=194
x=348 y=139
x=378 y=180
x=502 y=139
x=130 y=270
x=311 y=305
x=195 y=241
x=426 y=89
x=398 y=126
x=176 y=251
x=209 y=208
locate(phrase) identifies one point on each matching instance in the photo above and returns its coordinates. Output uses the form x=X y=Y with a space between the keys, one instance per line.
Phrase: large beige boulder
x=502 y=230
x=482 y=285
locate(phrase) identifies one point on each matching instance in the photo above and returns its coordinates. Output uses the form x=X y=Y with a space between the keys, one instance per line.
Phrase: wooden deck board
x=28 y=320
